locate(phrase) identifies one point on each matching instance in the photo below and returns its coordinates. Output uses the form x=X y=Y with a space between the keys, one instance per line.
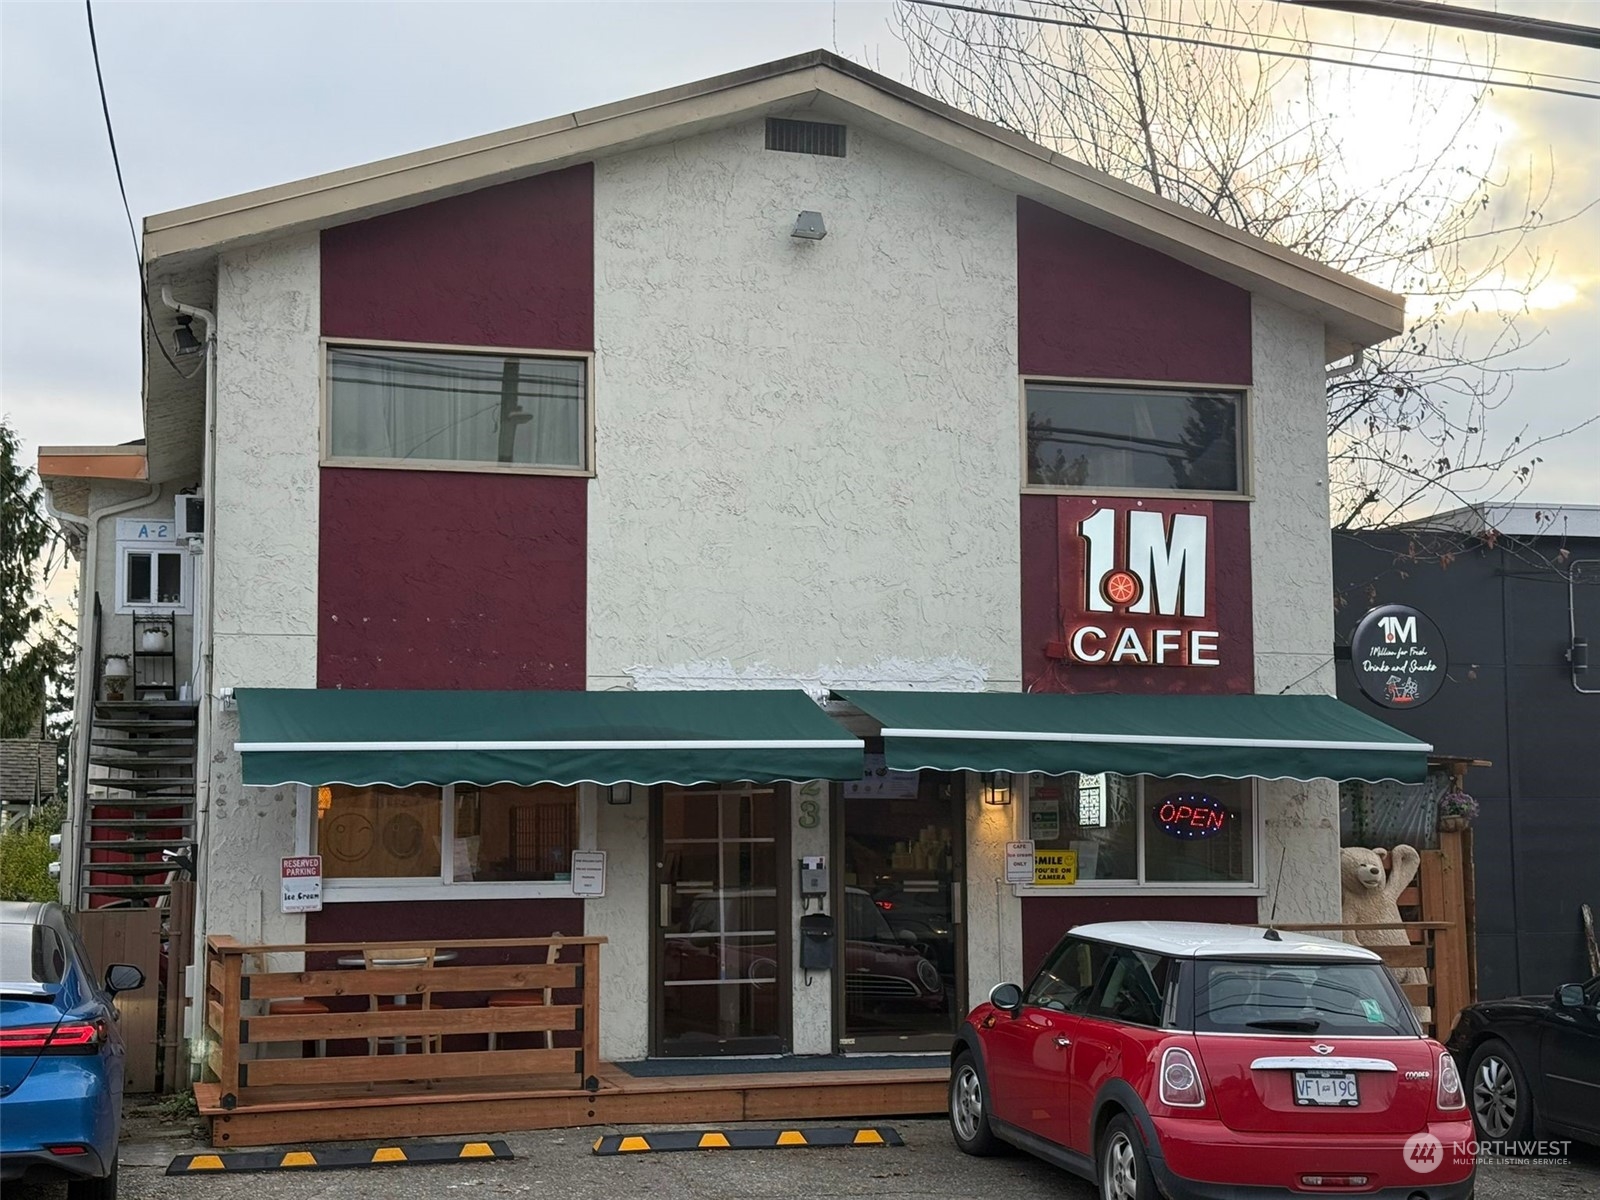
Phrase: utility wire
x=127 y=209
x=1256 y=50
x=1460 y=17
x=1409 y=55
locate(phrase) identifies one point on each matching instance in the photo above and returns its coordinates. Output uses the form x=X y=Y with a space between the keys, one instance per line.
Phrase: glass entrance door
x=721 y=954
x=900 y=843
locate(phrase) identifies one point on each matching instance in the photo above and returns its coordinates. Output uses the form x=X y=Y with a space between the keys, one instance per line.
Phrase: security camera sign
x=302 y=884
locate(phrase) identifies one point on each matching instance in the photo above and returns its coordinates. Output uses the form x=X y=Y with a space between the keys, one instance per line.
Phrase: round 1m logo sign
x=1398 y=656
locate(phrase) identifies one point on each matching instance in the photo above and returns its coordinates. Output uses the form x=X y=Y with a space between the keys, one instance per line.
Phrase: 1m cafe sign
x=1139 y=585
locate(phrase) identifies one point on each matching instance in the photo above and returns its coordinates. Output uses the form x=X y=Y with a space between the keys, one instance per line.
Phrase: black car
x=1532 y=1065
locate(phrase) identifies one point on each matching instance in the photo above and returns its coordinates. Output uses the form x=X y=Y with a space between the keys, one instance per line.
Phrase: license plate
x=1337 y=1089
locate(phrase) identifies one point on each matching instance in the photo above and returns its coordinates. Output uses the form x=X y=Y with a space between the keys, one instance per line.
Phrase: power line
x=1455 y=16
x=116 y=162
x=1256 y=50
x=1294 y=39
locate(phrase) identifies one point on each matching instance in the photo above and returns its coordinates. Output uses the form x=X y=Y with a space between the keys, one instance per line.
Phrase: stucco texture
x=806 y=450
x=264 y=540
x=1292 y=569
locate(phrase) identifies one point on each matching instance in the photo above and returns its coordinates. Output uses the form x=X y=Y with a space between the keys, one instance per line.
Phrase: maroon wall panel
x=1091 y=305
x=451 y=580
x=434 y=920
x=1054 y=579
x=511 y=265
x=1046 y=918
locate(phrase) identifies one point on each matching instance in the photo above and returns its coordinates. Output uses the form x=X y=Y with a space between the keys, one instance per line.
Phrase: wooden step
x=155 y=709
x=136 y=724
x=128 y=869
x=141 y=744
x=127 y=889
x=140 y=845
x=146 y=784
x=144 y=804
x=135 y=762
x=133 y=823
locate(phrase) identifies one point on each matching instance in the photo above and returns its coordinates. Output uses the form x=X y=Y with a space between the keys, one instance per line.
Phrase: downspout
x=1353 y=365
x=202 y=746
x=84 y=700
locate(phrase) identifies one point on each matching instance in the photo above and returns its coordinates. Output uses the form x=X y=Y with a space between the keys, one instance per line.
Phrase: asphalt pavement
x=560 y=1163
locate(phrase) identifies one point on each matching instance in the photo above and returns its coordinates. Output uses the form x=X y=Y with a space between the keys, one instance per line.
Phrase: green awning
x=1270 y=737
x=317 y=736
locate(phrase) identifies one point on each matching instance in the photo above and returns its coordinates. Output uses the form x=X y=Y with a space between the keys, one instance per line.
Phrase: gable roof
x=1355 y=313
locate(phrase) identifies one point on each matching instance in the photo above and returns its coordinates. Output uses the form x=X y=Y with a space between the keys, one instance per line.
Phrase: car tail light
x=1180 y=1079
x=1339 y=1181
x=68 y=1037
x=1450 y=1093
x=67 y=1151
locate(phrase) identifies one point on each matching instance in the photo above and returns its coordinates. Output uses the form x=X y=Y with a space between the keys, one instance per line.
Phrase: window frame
x=125 y=606
x=443 y=886
x=327 y=458
x=1141 y=886
x=1244 y=436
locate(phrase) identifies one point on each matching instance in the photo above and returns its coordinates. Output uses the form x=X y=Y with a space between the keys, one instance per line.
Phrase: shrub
x=25 y=857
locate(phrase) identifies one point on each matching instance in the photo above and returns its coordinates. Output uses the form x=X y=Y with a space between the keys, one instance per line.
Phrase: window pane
x=1068 y=976
x=379 y=832
x=1199 y=831
x=1096 y=437
x=490 y=408
x=1331 y=999
x=169 y=578
x=1134 y=990
x=1094 y=815
x=139 y=578
x=515 y=833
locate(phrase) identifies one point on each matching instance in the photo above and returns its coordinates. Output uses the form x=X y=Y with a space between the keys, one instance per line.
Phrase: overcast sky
x=210 y=100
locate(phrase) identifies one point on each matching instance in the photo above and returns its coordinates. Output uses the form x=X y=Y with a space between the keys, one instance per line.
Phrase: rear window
x=30 y=954
x=1349 y=999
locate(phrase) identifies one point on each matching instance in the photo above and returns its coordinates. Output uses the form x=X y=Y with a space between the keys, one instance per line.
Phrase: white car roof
x=1195 y=939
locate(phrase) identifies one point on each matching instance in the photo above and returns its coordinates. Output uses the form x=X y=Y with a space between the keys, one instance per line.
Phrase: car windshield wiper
x=1288 y=1024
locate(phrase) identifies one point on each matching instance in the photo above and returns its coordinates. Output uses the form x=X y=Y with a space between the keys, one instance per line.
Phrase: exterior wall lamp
x=997 y=787
x=621 y=793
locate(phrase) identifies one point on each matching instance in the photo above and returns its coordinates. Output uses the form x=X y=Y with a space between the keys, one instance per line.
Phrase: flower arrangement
x=1456 y=810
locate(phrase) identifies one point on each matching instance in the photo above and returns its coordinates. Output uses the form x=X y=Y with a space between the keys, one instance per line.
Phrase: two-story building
x=785 y=484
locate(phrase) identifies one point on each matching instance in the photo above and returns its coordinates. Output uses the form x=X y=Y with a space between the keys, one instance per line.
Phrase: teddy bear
x=1372 y=882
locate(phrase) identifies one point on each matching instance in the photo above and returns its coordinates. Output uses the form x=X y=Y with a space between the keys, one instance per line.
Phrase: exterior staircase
x=141 y=800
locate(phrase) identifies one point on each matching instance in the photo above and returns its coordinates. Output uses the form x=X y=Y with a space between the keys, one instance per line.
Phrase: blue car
x=60 y=1054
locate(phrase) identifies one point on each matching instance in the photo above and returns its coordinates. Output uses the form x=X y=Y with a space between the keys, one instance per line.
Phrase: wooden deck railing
x=1437 y=950
x=446 y=1029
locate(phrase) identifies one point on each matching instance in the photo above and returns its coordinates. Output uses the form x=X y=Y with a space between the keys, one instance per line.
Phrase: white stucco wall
x=264 y=537
x=993 y=917
x=622 y=917
x=1292 y=580
x=806 y=452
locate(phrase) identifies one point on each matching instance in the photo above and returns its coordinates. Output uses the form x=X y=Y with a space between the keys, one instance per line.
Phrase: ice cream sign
x=1143 y=596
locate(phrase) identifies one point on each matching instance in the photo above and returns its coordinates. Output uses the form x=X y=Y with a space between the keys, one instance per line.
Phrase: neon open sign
x=1190 y=816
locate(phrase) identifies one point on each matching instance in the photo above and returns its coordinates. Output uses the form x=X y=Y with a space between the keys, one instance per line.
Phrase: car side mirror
x=1006 y=996
x=1570 y=995
x=121 y=977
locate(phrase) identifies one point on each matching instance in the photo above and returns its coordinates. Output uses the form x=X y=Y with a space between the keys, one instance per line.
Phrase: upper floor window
x=154 y=572
x=461 y=410
x=1103 y=437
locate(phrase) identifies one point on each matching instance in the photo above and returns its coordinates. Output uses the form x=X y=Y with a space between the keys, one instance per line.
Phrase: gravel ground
x=559 y=1163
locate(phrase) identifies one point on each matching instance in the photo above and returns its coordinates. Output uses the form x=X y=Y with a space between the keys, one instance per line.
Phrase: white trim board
x=1140 y=739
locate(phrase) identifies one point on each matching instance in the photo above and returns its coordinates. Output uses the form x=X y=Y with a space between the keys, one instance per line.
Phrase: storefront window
x=494 y=834
x=1144 y=830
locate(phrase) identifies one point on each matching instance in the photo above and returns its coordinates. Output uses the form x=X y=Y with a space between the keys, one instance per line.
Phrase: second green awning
x=1270 y=737
x=319 y=736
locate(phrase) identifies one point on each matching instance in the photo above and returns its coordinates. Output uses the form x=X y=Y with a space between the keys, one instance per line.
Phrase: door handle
x=1062 y=1040
x=664 y=905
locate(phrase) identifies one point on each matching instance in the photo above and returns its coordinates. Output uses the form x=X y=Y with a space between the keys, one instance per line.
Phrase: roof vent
x=805 y=137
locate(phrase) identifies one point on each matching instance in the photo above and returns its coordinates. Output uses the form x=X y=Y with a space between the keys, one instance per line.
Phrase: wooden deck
x=324 y=1114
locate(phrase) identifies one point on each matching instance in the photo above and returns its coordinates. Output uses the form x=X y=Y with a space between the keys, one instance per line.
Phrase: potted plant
x=1456 y=811
x=155 y=639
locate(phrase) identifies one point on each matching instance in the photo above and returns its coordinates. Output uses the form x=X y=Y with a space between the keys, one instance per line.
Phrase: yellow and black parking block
x=744 y=1139
x=324 y=1159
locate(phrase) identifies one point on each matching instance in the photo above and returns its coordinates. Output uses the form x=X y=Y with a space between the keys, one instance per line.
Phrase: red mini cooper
x=1216 y=1062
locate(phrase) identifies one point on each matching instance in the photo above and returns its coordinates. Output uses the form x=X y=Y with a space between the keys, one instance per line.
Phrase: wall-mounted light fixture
x=808 y=225
x=621 y=793
x=184 y=341
x=997 y=787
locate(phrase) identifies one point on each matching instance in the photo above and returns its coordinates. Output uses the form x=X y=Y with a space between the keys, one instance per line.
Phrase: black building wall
x=1509 y=698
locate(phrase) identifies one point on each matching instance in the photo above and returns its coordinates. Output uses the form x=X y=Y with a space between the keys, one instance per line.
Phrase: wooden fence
x=437 y=1023
x=130 y=935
